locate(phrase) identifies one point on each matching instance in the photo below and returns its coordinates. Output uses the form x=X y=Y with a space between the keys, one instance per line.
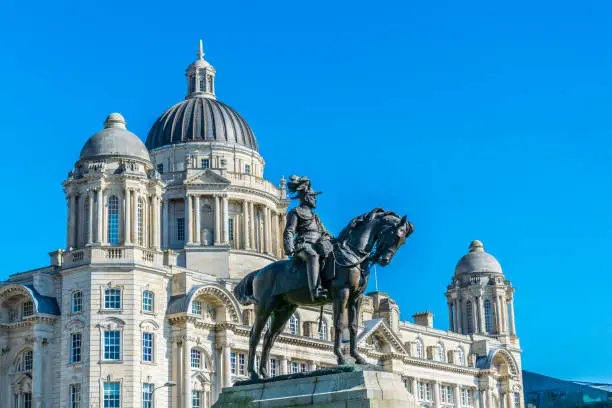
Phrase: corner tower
x=480 y=299
x=218 y=211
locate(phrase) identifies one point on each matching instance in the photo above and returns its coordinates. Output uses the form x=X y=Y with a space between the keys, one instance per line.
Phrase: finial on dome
x=476 y=246
x=115 y=120
x=201 y=51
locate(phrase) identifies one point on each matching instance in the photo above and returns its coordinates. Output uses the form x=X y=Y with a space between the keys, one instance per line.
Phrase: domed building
x=138 y=311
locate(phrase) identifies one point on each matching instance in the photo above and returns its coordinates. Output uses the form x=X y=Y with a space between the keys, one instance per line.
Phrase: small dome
x=477 y=260
x=115 y=140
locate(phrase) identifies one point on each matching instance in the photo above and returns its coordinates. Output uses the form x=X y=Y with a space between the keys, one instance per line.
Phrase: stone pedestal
x=338 y=387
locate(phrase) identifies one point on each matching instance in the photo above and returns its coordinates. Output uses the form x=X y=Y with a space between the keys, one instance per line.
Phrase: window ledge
x=111 y=361
x=148 y=313
x=109 y=311
x=149 y=363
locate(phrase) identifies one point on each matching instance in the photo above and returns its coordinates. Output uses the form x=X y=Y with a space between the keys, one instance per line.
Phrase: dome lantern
x=200 y=77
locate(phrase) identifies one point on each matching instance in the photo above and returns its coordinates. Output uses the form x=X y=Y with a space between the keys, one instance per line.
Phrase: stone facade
x=139 y=305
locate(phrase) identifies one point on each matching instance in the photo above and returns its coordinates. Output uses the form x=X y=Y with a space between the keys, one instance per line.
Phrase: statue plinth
x=335 y=387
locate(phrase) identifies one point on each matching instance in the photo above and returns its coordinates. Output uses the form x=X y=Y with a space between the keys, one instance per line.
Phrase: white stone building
x=141 y=296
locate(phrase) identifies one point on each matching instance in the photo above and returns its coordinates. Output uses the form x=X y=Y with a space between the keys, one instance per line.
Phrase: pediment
x=378 y=336
x=207 y=177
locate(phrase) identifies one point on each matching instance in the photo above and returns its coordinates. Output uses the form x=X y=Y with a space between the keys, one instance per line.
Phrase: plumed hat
x=300 y=186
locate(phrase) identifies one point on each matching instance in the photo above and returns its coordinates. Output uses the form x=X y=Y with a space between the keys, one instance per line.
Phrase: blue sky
x=479 y=120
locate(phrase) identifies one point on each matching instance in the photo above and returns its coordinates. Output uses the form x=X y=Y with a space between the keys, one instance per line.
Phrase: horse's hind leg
x=353 y=312
x=277 y=323
x=339 y=307
x=261 y=315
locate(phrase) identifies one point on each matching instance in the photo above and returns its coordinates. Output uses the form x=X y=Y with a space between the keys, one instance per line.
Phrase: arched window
x=488 y=315
x=113 y=220
x=460 y=356
x=147 y=301
x=24 y=361
x=294 y=325
x=420 y=349
x=196 y=358
x=140 y=222
x=323 y=330
x=440 y=348
x=470 y=316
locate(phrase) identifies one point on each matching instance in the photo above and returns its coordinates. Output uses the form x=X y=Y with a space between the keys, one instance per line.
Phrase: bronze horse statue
x=279 y=288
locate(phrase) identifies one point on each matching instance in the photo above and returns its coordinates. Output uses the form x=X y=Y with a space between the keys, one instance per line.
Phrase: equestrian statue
x=322 y=270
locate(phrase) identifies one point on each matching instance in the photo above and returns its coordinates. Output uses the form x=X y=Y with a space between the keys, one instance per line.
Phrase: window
x=466 y=397
x=196 y=307
x=247 y=168
x=112 y=345
x=230 y=229
x=446 y=394
x=488 y=316
x=147 y=347
x=112 y=395
x=460 y=356
x=273 y=367
x=233 y=362
x=303 y=368
x=75 y=395
x=420 y=349
x=202 y=84
x=210 y=83
x=27 y=400
x=75 y=347
x=440 y=349
x=196 y=358
x=140 y=222
x=516 y=399
x=112 y=298
x=424 y=391
x=294 y=325
x=294 y=367
x=205 y=163
x=241 y=365
x=147 y=301
x=237 y=363
x=160 y=168
x=196 y=399
x=77 y=301
x=323 y=330
x=113 y=220
x=180 y=229
x=470 y=316
x=24 y=363
x=28 y=308
x=147 y=395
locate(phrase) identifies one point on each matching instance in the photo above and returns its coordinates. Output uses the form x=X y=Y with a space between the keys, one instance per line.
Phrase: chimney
x=423 y=319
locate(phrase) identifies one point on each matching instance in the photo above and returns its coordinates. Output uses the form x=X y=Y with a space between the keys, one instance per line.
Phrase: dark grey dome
x=115 y=140
x=200 y=119
x=477 y=260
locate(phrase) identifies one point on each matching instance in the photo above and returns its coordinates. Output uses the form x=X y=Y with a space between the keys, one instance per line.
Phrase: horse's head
x=391 y=238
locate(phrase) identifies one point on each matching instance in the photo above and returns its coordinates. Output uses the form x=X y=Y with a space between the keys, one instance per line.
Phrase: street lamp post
x=168 y=384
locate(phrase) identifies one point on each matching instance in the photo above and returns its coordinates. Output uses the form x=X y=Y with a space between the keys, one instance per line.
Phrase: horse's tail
x=244 y=290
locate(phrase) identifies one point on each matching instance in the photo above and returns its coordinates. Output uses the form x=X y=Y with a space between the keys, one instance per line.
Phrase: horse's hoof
x=263 y=373
x=360 y=360
x=341 y=361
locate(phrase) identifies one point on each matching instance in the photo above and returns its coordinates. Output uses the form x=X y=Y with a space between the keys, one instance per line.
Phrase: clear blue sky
x=479 y=120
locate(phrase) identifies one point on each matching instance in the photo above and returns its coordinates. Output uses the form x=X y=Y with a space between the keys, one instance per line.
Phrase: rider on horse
x=305 y=237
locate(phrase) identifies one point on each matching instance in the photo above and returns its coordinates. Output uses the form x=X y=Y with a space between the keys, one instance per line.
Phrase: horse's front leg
x=258 y=326
x=339 y=307
x=353 y=313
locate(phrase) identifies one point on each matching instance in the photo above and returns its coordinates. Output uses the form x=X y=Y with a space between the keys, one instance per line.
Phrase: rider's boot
x=316 y=291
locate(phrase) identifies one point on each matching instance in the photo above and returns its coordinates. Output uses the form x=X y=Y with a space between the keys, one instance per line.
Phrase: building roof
x=114 y=140
x=43 y=304
x=477 y=260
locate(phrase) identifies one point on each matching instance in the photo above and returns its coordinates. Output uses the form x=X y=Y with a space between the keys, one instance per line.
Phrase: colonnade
x=502 y=309
x=138 y=221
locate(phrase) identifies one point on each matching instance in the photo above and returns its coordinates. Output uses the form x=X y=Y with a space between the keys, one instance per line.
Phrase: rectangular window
x=147 y=301
x=75 y=347
x=273 y=367
x=112 y=345
x=77 y=301
x=112 y=298
x=247 y=168
x=241 y=364
x=230 y=229
x=517 y=400
x=303 y=367
x=466 y=397
x=180 y=229
x=196 y=358
x=147 y=347
x=196 y=307
x=196 y=399
x=112 y=395
x=233 y=362
x=446 y=394
x=147 y=395
x=424 y=391
x=205 y=163
x=27 y=400
x=294 y=367
x=75 y=395
x=160 y=168
x=28 y=308
x=27 y=360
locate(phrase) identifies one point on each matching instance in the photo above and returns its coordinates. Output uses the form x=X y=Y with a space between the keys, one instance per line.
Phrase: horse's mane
x=360 y=219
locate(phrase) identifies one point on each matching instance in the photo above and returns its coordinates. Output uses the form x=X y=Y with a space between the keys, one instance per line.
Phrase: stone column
x=100 y=215
x=217 y=221
x=126 y=217
x=90 y=218
x=186 y=374
x=459 y=317
x=284 y=366
x=436 y=394
x=266 y=233
x=245 y=224
x=197 y=238
x=451 y=319
x=227 y=365
x=414 y=386
x=252 y=222
x=225 y=219
x=276 y=235
x=498 y=315
x=188 y=221
x=179 y=373
x=512 y=327
x=37 y=374
x=71 y=208
x=166 y=223
x=175 y=372
x=457 y=396
x=135 y=227
x=455 y=321
x=475 y=314
x=489 y=393
x=483 y=325
x=477 y=398
x=156 y=223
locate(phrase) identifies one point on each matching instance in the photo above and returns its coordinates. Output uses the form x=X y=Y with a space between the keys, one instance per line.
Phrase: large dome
x=114 y=140
x=477 y=260
x=200 y=119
